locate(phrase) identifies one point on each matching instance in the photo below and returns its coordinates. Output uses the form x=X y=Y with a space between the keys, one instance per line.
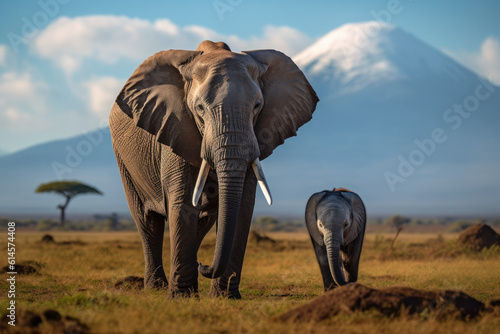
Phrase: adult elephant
x=188 y=131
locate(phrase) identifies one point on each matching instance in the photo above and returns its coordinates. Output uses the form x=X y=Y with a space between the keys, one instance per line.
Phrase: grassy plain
x=77 y=279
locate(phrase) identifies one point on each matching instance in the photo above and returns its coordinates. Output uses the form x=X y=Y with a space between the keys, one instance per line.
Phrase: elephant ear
x=358 y=216
x=289 y=100
x=154 y=97
x=312 y=218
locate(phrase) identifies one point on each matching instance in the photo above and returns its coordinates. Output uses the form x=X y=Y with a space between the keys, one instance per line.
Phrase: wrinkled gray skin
x=336 y=222
x=179 y=108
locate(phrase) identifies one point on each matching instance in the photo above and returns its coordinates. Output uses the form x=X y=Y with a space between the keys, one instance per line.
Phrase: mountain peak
x=352 y=39
x=357 y=55
x=356 y=33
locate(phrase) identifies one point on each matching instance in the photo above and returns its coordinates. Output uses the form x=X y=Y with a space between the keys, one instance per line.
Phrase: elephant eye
x=257 y=105
x=200 y=109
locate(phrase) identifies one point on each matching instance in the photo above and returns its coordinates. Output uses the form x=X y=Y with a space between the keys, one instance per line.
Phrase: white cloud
x=285 y=39
x=485 y=62
x=16 y=86
x=7 y=58
x=108 y=39
x=21 y=100
x=15 y=116
x=489 y=58
x=3 y=55
x=102 y=93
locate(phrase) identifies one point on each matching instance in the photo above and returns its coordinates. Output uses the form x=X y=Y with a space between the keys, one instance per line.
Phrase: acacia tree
x=68 y=189
x=397 y=222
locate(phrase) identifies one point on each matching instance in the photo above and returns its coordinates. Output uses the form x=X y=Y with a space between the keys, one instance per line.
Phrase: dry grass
x=77 y=279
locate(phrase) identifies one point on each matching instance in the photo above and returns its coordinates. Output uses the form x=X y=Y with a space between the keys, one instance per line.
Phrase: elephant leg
x=151 y=227
x=152 y=230
x=324 y=266
x=183 y=227
x=183 y=249
x=228 y=284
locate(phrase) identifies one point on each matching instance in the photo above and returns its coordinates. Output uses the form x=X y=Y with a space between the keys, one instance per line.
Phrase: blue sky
x=75 y=55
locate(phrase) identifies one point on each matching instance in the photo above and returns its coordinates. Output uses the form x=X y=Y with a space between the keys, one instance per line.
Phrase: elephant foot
x=155 y=279
x=234 y=295
x=227 y=288
x=216 y=291
x=155 y=283
x=183 y=289
x=330 y=287
x=190 y=293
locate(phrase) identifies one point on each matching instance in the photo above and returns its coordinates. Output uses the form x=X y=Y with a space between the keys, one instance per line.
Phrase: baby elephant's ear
x=358 y=216
x=289 y=100
x=312 y=218
x=154 y=97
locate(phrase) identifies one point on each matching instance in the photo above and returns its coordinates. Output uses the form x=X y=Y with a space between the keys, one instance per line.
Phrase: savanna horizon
x=77 y=274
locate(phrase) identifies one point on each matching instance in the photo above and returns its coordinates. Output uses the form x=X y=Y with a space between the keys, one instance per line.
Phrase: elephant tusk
x=259 y=173
x=200 y=182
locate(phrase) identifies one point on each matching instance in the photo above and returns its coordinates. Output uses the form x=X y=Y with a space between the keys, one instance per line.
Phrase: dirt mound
x=479 y=236
x=130 y=282
x=72 y=243
x=29 y=322
x=24 y=268
x=257 y=238
x=47 y=238
x=394 y=301
x=494 y=302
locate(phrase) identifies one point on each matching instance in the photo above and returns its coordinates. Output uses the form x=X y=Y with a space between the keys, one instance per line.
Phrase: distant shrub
x=266 y=223
x=111 y=223
x=459 y=226
x=439 y=221
x=46 y=224
x=375 y=222
x=396 y=221
x=19 y=222
x=272 y=224
x=379 y=241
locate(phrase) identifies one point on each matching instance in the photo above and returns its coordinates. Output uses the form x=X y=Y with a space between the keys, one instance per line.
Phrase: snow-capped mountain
x=402 y=124
x=356 y=56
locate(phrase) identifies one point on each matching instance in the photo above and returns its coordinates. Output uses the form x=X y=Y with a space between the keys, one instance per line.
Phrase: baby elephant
x=336 y=222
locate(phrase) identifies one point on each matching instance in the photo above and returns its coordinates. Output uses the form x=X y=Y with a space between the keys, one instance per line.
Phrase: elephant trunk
x=332 y=243
x=231 y=173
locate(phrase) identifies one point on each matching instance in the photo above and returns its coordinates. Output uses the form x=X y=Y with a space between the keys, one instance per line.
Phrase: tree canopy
x=67 y=188
x=397 y=221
